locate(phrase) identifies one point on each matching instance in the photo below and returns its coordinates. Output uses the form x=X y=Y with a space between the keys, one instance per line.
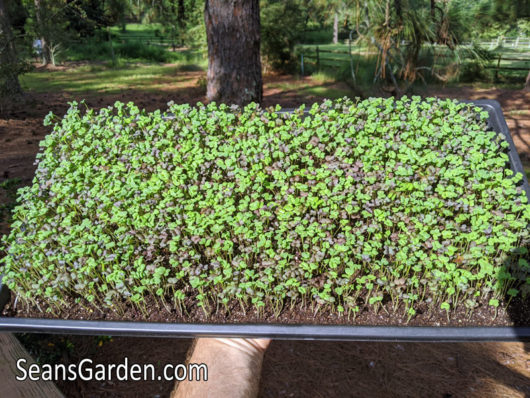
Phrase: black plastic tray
x=300 y=332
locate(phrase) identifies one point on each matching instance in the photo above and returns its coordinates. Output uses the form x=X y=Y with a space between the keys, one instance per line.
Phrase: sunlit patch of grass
x=326 y=92
x=137 y=28
x=98 y=78
x=323 y=77
x=287 y=86
x=320 y=85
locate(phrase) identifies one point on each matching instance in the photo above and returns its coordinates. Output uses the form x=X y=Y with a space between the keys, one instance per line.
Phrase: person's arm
x=234 y=368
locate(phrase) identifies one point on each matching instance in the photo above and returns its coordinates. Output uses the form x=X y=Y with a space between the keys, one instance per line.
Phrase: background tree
x=58 y=23
x=116 y=12
x=277 y=47
x=49 y=22
x=43 y=33
x=181 y=16
x=335 y=27
x=170 y=14
x=10 y=67
x=335 y=13
x=233 y=37
x=399 y=29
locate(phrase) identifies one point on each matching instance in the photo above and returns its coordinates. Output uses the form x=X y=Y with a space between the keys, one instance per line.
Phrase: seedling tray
x=496 y=122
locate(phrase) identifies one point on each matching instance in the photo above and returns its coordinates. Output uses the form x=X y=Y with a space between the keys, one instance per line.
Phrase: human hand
x=245 y=345
x=234 y=367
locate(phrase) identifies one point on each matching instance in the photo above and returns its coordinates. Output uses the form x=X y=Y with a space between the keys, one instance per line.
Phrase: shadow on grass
x=108 y=80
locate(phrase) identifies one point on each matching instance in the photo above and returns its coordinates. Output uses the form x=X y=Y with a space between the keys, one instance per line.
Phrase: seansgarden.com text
x=87 y=370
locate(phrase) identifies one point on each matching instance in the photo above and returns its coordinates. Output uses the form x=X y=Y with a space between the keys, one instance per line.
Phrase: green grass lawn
x=102 y=79
x=137 y=29
x=152 y=33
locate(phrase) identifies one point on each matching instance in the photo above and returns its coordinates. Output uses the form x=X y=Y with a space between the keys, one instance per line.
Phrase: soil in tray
x=516 y=314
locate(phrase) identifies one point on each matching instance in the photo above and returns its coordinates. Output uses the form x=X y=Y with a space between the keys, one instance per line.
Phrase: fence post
x=318 y=60
x=498 y=65
x=302 y=64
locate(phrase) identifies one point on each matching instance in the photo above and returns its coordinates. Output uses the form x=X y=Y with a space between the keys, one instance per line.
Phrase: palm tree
x=399 y=29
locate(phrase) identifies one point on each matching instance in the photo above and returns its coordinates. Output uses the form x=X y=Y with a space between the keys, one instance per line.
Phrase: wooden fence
x=517 y=43
x=319 y=58
x=148 y=39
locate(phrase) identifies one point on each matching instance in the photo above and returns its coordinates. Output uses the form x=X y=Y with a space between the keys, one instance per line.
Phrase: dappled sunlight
x=290 y=91
x=83 y=79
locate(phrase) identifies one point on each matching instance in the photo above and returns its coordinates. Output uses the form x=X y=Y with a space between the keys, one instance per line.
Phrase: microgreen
x=338 y=208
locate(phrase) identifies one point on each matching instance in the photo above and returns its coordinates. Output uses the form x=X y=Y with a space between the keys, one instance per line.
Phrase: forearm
x=234 y=367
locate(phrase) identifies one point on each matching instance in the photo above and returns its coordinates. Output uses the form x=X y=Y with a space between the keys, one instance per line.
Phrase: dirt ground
x=291 y=368
x=325 y=369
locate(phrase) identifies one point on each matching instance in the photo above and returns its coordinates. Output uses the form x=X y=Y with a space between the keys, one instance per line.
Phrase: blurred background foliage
x=390 y=43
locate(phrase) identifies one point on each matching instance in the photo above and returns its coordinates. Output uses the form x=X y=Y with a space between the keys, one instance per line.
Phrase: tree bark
x=234 y=65
x=335 y=28
x=9 y=84
x=527 y=83
x=46 y=53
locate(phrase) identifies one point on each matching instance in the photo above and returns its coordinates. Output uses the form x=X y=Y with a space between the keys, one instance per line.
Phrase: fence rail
x=148 y=39
x=515 y=43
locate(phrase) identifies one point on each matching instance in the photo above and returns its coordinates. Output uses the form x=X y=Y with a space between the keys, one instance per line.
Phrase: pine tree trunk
x=335 y=28
x=181 y=16
x=433 y=5
x=9 y=84
x=234 y=65
x=527 y=83
x=46 y=53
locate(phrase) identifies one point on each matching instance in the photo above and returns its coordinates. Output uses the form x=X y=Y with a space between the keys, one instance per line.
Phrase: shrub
x=277 y=46
x=403 y=200
x=321 y=36
x=95 y=49
x=140 y=51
